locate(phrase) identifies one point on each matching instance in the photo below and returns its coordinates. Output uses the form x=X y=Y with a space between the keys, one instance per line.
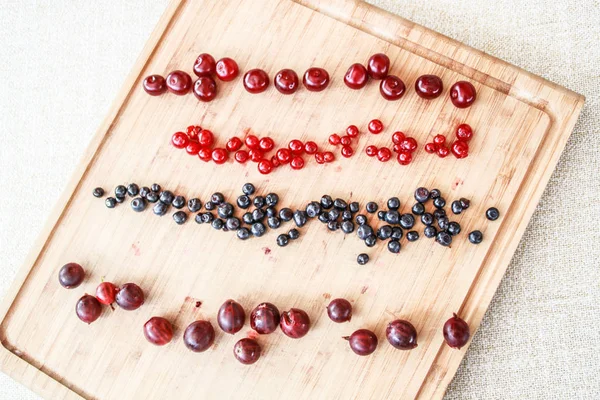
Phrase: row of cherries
x=265 y=318
x=286 y=81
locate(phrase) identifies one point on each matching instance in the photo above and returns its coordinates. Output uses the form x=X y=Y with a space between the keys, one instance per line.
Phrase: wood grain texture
x=522 y=123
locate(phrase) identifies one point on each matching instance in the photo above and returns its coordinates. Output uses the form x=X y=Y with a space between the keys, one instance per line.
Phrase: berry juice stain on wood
x=136 y=250
x=266 y=250
x=326 y=296
x=364 y=289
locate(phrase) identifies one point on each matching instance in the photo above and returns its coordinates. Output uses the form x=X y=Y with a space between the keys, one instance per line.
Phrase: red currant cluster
x=403 y=145
x=345 y=141
x=459 y=148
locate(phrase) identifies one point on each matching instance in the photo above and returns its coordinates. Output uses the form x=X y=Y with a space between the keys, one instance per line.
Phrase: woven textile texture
x=62 y=63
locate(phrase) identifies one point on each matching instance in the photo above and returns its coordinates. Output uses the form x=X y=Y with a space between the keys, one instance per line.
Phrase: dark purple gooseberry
x=456 y=332
x=265 y=318
x=231 y=317
x=130 y=297
x=88 y=309
x=363 y=342
x=199 y=336
x=339 y=310
x=158 y=331
x=401 y=334
x=295 y=323
x=247 y=351
x=71 y=275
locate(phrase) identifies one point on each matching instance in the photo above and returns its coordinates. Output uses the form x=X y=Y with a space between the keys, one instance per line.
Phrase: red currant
x=334 y=139
x=284 y=155
x=345 y=140
x=180 y=140
x=439 y=139
x=205 y=138
x=255 y=155
x=398 y=137
x=241 y=156
x=205 y=154
x=378 y=66
x=397 y=148
x=193 y=148
x=297 y=163
x=431 y=148
x=464 y=132
x=252 y=142
x=352 y=131
x=265 y=167
x=409 y=144
x=234 y=144
x=462 y=94
x=296 y=146
x=266 y=144
x=226 y=69
x=191 y=129
x=328 y=157
x=219 y=156
x=375 y=126
x=347 y=151
x=356 y=77
x=404 y=158
x=384 y=154
x=311 y=147
x=275 y=161
x=204 y=65
x=371 y=150
x=460 y=149
x=443 y=152
x=320 y=158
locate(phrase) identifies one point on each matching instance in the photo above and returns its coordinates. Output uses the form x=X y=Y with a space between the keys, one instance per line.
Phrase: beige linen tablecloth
x=63 y=61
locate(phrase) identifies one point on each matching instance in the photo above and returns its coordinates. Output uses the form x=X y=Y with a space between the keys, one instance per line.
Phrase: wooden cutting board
x=522 y=123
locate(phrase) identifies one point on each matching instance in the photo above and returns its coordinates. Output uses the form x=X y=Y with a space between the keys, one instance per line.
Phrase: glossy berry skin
x=356 y=77
x=404 y=158
x=384 y=154
x=256 y=81
x=295 y=323
x=398 y=137
x=158 y=331
x=256 y=155
x=464 y=132
x=180 y=140
x=375 y=126
x=199 y=336
x=476 y=237
x=106 y=293
x=460 y=149
x=284 y=155
x=339 y=310
x=231 y=317
x=319 y=158
x=492 y=214
x=130 y=297
x=155 y=85
x=247 y=351
x=265 y=318
x=362 y=342
x=345 y=140
x=311 y=147
x=463 y=94
x=219 y=156
x=205 y=88
x=431 y=148
x=371 y=151
x=347 y=151
x=205 y=154
x=362 y=259
x=252 y=142
x=286 y=81
x=443 y=152
x=392 y=88
x=204 y=65
x=179 y=82
x=88 y=309
x=378 y=66
x=265 y=166
x=456 y=332
x=352 y=131
x=429 y=86
x=297 y=163
x=193 y=148
x=206 y=138
x=409 y=144
x=71 y=275
x=226 y=69
x=296 y=146
x=266 y=144
x=401 y=334
x=328 y=157
x=315 y=79
x=234 y=144
x=439 y=139
x=334 y=139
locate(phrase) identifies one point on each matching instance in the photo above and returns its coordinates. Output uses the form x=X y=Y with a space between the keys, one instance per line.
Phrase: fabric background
x=63 y=62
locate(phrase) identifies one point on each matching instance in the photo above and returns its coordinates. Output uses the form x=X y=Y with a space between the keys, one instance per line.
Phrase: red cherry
x=347 y=151
x=439 y=139
x=375 y=126
x=460 y=149
x=378 y=66
x=311 y=147
x=241 y=156
x=205 y=138
x=275 y=161
x=463 y=94
x=265 y=167
x=234 y=144
x=255 y=155
x=443 y=152
x=334 y=139
x=193 y=148
x=180 y=140
x=464 y=132
x=429 y=86
x=371 y=151
x=286 y=81
x=205 y=88
x=328 y=157
x=252 y=142
x=431 y=148
x=266 y=144
x=204 y=65
x=219 y=155
x=106 y=293
x=384 y=154
x=155 y=85
x=320 y=158
x=404 y=158
x=179 y=82
x=297 y=163
x=409 y=144
x=296 y=146
x=398 y=137
x=193 y=132
x=352 y=131
x=256 y=81
x=397 y=148
x=356 y=77
x=392 y=88
x=315 y=79
x=345 y=140
x=226 y=69
x=205 y=154
x=284 y=155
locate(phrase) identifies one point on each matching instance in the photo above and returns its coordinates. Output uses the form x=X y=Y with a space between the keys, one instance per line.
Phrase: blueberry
x=333 y=225
x=243 y=233
x=434 y=193
x=258 y=215
x=430 y=231
x=412 y=236
x=346 y=215
x=98 y=192
x=313 y=209
x=259 y=202
x=272 y=199
x=225 y=210
x=407 y=221
x=324 y=217
x=133 y=189
x=326 y=202
x=393 y=203
x=347 y=226
x=439 y=202
x=418 y=209
x=427 y=218
x=286 y=214
x=233 y=223
x=120 y=191
x=294 y=234
x=243 y=201
x=209 y=206
x=155 y=187
x=208 y=217
x=422 y=195
x=361 y=219
x=180 y=217
x=160 y=208
x=144 y=190
x=178 y=202
x=354 y=207
x=119 y=199
x=110 y=202
x=439 y=213
x=362 y=259
x=476 y=237
x=364 y=231
x=248 y=189
x=371 y=207
x=258 y=229
x=443 y=238
x=217 y=198
x=333 y=214
x=456 y=207
x=340 y=204
x=273 y=222
x=138 y=204
x=217 y=223
x=194 y=205
x=283 y=240
x=247 y=218
x=381 y=215
x=152 y=197
x=384 y=232
x=465 y=203
x=443 y=223
x=397 y=233
x=392 y=217
x=198 y=218
x=394 y=246
x=300 y=218
x=371 y=240
x=454 y=228
x=166 y=197
x=492 y=213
